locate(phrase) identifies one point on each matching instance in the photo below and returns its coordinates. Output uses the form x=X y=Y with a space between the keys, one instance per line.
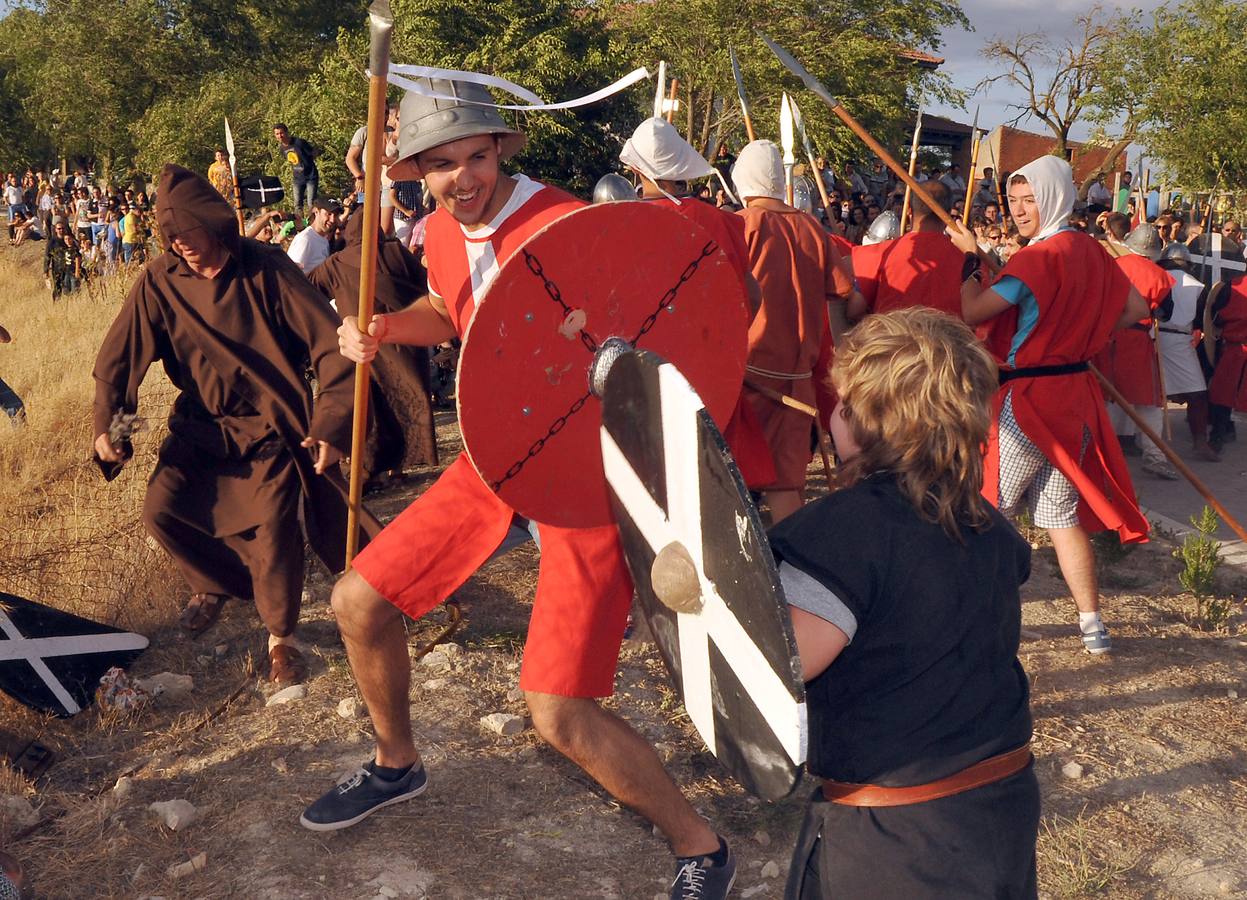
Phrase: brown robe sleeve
x=133 y=343
x=307 y=315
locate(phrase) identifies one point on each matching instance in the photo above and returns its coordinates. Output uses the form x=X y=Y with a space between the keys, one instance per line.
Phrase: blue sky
x=1005 y=18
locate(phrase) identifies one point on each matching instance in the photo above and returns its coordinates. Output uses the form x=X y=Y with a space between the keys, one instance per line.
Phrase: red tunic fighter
x=583 y=587
x=1054 y=308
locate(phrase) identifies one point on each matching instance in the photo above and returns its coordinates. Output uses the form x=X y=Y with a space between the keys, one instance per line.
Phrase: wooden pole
x=974 y=165
x=1178 y=464
x=381 y=24
x=675 y=86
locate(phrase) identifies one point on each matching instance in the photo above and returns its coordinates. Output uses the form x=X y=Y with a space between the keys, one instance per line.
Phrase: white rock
x=123 y=788
x=177 y=814
x=763 y=839
x=502 y=723
x=169 y=685
x=288 y=695
x=190 y=867
x=17 y=809
x=350 y=708
x=281 y=766
x=387 y=891
x=451 y=650
x=437 y=660
x=770 y=870
x=434 y=684
x=1072 y=770
x=1232 y=694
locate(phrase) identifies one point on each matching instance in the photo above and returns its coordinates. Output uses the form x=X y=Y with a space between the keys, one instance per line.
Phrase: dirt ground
x=1160 y=809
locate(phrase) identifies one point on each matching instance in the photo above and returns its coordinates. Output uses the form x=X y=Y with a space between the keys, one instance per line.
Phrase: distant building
x=1012 y=148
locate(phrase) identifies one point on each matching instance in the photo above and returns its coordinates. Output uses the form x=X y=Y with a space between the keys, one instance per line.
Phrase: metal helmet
x=885 y=227
x=1145 y=241
x=1177 y=253
x=803 y=193
x=427 y=122
x=613 y=186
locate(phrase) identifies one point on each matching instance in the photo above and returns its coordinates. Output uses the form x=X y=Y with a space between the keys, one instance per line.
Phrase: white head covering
x=759 y=171
x=657 y=151
x=1052 y=181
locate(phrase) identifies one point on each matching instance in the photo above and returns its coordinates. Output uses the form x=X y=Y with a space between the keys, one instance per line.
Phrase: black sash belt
x=1044 y=371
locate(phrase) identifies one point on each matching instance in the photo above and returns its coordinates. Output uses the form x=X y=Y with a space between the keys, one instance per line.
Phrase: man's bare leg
x=1077 y=561
x=376 y=646
x=620 y=760
x=782 y=503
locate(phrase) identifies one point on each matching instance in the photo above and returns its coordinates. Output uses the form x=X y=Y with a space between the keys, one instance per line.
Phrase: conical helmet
x=613 y=186
x=1145 y=241
x=885 y=227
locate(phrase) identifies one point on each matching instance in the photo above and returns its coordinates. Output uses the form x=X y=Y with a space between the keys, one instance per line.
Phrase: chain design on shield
x=552 y=289
x=538 y=444
x=534 y=266
x=668 y=298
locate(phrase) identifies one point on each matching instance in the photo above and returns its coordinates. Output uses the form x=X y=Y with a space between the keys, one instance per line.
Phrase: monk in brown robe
x=400 y=420
x=250 y=466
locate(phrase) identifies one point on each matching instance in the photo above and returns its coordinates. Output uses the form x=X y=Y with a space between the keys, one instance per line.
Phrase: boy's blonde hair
x=917 y=386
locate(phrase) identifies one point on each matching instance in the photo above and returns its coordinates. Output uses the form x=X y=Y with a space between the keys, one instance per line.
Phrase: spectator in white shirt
x=310 y=246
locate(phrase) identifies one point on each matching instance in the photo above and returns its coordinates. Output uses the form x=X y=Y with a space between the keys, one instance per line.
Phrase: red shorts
x=584 y=591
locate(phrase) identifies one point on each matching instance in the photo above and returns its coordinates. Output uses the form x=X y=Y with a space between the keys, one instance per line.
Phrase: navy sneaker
x=360 y=795
x=1097 y=642
x=697 y=878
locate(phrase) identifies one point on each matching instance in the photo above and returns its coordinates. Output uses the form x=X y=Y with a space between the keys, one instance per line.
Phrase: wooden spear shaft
x=1169 y=454
x=974 y=165
x=913 y=167
x=382 y=24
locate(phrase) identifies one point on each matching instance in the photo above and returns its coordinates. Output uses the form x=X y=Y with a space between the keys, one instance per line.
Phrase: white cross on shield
x=1216 y=262
x=715 y=629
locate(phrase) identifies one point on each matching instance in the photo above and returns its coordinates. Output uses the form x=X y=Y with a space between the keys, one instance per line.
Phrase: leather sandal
x=286 y=665
x=201 y=613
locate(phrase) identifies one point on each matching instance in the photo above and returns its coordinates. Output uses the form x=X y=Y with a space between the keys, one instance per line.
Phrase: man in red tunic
x=921 y=268
x=665 y=163
x=1053 y=309
x=801 y=276
x=1228 y=386
x=1129 y=361
x=583 y=588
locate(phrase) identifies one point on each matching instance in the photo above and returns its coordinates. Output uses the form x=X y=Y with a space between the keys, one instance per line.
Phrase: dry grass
x=70 y=539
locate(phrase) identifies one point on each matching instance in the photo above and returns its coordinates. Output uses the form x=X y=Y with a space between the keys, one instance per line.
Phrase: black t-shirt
x=301 y=156
x=931 y=682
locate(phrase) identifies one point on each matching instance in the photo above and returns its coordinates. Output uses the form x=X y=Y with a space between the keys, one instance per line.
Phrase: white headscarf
x=657 y=151
x=759 y=171
x=1052 y=181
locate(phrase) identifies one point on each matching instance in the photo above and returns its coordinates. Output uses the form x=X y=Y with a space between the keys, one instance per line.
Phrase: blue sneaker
x=1097 y=642
x=360 y=795
x=697 y=878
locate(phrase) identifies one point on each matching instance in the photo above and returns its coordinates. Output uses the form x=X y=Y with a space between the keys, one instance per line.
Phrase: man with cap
x=665 y=163
x=1130 y=361
x=921 y=268
x=1055 y=305
x=310 y=246
x=250 y=463
x=801 y=277
x=583 y=589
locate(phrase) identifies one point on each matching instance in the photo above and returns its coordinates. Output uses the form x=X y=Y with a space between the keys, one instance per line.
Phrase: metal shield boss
x=590 y=285
x=704 y=575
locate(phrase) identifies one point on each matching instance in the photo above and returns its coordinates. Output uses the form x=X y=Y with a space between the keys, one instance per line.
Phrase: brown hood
x=185 y=200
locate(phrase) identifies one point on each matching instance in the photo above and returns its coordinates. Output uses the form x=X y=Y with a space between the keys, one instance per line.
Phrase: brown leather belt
x=993 y=769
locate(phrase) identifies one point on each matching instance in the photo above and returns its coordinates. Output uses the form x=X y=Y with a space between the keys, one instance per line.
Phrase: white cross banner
x=52 y=660
x=261 y=190
x=733 y=659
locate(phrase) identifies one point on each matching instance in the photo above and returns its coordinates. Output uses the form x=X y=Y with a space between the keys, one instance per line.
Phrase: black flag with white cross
x=704 y=574
x=52 y=661
x=261 y=190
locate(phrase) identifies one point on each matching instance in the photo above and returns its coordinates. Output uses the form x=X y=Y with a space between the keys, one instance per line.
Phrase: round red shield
x=633 y=271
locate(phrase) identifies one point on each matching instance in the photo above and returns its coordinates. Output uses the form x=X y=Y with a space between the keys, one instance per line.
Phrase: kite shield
x=587 y=287
x=704 y=574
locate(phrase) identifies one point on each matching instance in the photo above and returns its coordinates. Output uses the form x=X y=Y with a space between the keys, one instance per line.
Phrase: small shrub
x=1201 y=554
x=1109 y=550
